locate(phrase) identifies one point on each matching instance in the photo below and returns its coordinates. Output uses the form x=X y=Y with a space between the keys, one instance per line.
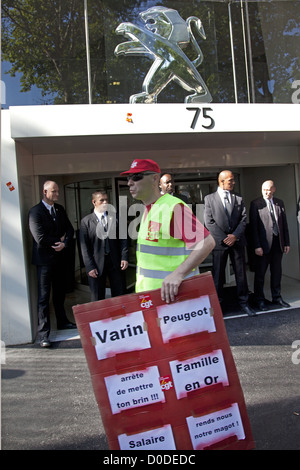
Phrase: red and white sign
x=185 y=318
x=213 y=427
x=116 y=336
x=163 y=375
x=198 y=372
x=156 y=439
x=134 y=389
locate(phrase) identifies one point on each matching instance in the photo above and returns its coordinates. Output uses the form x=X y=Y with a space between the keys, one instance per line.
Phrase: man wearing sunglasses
x=171 y=243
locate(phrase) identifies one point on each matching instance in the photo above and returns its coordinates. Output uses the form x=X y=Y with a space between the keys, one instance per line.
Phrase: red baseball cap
x=141 y=165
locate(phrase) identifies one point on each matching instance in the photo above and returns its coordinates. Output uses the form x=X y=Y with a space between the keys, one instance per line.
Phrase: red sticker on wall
x=10 y=186
x=129 y=117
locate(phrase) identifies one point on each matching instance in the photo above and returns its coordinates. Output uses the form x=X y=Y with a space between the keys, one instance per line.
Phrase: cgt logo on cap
x=134 y=164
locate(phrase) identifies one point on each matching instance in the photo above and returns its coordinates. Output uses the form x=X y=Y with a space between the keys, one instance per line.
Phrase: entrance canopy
x=188 y=135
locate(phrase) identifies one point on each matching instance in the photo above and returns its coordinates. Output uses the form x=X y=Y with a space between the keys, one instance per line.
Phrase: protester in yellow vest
x=171 y=243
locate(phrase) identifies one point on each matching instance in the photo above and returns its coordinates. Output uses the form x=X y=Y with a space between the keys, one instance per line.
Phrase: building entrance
x=195 y=186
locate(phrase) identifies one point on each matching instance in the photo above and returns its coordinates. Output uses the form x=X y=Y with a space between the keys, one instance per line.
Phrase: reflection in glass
x=45 y=46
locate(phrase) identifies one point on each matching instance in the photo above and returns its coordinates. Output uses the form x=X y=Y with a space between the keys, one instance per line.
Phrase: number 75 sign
x=206 y=117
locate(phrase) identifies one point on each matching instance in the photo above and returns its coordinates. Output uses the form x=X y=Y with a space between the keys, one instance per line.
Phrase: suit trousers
x=237 y=257
x=51 y=276
x=116 y=280
x=274 y=259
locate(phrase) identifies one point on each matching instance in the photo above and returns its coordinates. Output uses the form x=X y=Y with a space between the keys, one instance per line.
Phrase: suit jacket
x=46 y=232
x=261 y=224
x=92 y=243
x=217 y=223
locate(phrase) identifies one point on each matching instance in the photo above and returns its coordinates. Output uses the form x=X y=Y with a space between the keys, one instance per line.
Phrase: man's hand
x=93 y=273
x=230 y=239
x=259 y=251
x=170 y=286
x=58 y=246
x=124 y=265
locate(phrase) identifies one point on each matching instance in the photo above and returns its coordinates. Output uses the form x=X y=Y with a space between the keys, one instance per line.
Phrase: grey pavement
x=263 y=353
x=48 y=401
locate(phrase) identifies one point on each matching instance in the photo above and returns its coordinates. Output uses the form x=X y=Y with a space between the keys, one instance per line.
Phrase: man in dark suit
x=52 y=233
x=225 y=217
x=167 y=186
x=269 y=229
x=104 y=254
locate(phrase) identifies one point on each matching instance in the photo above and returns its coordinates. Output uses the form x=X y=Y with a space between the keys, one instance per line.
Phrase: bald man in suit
x=52 y=234
x=167 y=185
x=270 y=234
x=225 y=217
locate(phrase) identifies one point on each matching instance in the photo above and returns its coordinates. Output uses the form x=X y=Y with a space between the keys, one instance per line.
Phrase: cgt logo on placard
x=145 y=301
x=166 y=383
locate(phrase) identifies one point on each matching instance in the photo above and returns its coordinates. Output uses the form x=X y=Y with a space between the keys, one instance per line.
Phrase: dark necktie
x=227 y=205
x=53 y=214
x=106 y=242
x=275 y=227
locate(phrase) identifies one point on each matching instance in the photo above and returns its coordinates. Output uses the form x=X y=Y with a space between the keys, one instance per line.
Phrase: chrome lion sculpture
x=162 y=37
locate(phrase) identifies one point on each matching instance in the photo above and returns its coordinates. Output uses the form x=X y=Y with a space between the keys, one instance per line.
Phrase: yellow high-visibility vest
x=158 y=254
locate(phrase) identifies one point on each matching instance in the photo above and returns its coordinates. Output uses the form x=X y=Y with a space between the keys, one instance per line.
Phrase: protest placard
x=163 y=374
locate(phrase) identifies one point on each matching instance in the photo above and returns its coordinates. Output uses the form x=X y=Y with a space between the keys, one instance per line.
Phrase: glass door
x=78 y=202
x=196 y=190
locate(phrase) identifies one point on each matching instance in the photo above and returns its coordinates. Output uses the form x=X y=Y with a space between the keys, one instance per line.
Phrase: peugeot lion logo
x=162 y=37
